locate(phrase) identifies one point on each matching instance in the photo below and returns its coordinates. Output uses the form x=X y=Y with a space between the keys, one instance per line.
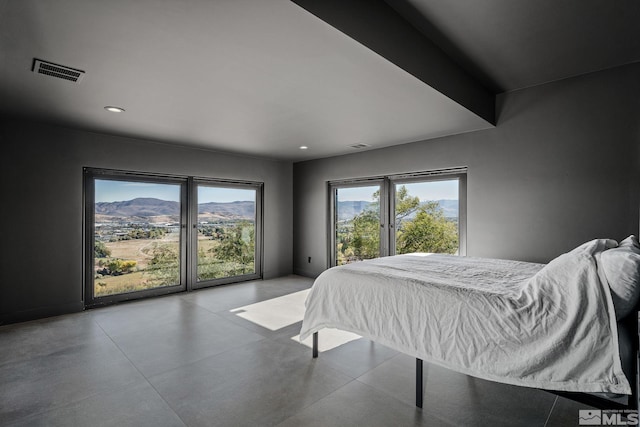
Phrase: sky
x=432 y=190
x=224 y=195
x=118 y=191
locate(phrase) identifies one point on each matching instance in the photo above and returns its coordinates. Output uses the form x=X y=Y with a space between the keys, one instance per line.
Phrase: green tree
x=420 y=227
x=165 y=265
x=365 y=240
x=208 y=266
x=405 y=204
x=100 y=250
x=362 y=241
x=237 y=249
x=359 y=238
x=139 y=233
x=428 y=231
x=116 y=266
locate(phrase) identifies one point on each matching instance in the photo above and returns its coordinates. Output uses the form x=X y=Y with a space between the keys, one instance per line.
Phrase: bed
x=553 y=327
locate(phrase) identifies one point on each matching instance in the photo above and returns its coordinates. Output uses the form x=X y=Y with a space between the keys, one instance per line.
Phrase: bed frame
x=633 y=402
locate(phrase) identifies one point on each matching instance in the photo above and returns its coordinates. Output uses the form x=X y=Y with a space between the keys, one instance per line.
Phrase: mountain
x=142 y=206
x=350 y=208
x=449 y=208
x=145 y=207
x=244 y=209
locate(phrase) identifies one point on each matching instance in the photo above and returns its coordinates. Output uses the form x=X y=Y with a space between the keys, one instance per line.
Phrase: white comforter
x=550 y=327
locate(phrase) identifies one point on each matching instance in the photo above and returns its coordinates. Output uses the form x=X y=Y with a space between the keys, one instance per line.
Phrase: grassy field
x=139 y=250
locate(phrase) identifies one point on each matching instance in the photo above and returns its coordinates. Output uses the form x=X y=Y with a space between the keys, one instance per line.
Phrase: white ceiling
x=262 y=77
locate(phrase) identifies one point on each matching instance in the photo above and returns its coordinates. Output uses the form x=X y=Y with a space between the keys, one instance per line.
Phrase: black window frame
x=194 y=283
x=188 y=232
x=387 y=185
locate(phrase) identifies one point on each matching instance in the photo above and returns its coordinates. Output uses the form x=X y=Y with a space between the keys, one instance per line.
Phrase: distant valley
x=155 y=210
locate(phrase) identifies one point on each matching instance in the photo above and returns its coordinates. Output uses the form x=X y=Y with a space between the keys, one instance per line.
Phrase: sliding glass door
x=136 y=239
x=228 y=230
x=358 y=222
x=422 y=212
x=137 y=244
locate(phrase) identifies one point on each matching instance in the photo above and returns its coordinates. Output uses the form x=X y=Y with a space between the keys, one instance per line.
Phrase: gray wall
x=561 y=167
x=42 y=207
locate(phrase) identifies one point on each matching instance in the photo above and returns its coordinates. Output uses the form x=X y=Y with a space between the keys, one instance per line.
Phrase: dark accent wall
x=561 y=167
x=42 y=207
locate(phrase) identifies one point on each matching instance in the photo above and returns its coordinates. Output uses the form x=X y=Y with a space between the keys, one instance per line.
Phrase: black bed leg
x=635 y=391
x=419 y=383
x=314 y=351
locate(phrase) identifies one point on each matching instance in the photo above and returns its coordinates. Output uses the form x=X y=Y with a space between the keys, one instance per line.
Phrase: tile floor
x=225 y=357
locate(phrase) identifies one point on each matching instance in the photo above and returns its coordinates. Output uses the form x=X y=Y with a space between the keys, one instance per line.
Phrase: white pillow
x=630 y=241
x=621 y=267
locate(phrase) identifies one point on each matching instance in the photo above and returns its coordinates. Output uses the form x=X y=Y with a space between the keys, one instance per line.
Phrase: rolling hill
x=148 y=208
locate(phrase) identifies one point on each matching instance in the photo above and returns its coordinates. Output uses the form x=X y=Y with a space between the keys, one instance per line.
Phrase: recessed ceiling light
x=360 y=145
x=304 y=147
x=114 y=109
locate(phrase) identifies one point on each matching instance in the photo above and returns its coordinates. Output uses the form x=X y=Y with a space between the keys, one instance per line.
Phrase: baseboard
x=41 y=312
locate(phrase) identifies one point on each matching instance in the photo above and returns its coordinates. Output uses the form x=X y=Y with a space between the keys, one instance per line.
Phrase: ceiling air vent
x=55 y=70
x=359 y=146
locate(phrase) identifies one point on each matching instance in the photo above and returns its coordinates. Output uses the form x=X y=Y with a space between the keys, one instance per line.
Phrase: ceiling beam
x=376 y=25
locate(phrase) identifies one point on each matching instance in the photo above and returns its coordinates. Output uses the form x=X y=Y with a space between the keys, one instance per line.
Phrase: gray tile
x=228 y=297
x=461 y=399
x=261 y=383
x=59 y=378
x=358 y=404
x=199 y=334
x=22 y=341
x=357 y=357
x=288 y=284
x=137 y=316
x=136 y=405
x=288 y=331
x=396 y=377
x=566 y=413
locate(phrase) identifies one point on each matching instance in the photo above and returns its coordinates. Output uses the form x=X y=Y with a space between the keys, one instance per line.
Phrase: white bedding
x=550 y=327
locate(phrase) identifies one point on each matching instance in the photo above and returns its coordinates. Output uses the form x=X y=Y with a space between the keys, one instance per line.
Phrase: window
x=420 y=212
x=149 y=234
